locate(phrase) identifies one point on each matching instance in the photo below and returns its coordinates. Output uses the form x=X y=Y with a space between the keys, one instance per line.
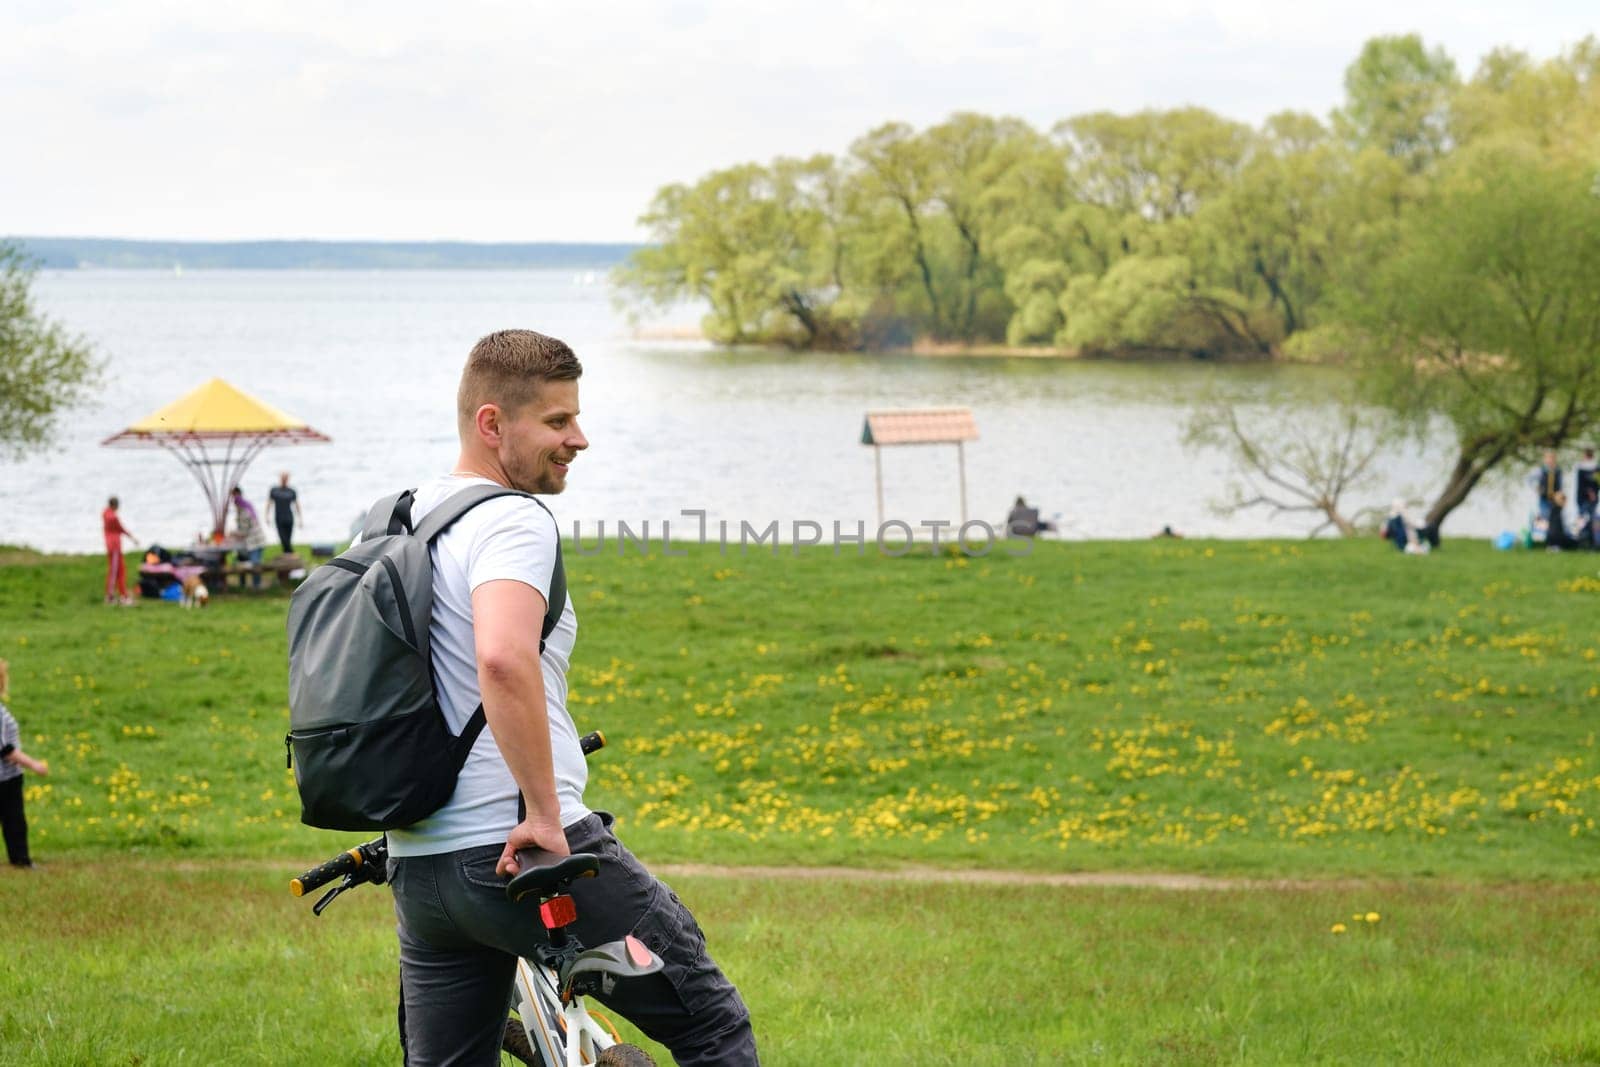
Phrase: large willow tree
x=44 y=371
x=1488 y=314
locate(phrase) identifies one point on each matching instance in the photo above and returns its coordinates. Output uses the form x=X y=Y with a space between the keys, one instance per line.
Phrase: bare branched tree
x=1299 y=460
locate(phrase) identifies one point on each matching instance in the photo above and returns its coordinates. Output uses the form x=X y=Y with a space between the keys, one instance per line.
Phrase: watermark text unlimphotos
x=895 y=537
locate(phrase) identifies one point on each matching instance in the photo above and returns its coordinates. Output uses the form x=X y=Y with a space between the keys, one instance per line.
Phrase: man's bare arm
x=506 y=620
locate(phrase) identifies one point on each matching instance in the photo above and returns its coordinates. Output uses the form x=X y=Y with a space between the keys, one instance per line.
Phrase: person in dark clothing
x=284 y=503
x=1406 y=535
x=13 y=761
x=1024 y=521
x=1552 y=499
x=1587 y=488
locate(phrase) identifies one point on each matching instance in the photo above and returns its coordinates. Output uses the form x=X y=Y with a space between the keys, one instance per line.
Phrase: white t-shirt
x=505 y=538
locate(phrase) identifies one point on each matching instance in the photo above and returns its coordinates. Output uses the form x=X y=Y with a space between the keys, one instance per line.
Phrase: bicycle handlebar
x=370 y=855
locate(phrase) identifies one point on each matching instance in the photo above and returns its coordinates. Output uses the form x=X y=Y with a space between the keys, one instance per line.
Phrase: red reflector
x=640 y=955
x=558 y=912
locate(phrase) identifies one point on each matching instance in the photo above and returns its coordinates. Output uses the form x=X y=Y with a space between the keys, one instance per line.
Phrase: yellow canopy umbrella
x=216 y=418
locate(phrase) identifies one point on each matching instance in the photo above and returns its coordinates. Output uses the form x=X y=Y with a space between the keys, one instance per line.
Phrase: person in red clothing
x=116 y=569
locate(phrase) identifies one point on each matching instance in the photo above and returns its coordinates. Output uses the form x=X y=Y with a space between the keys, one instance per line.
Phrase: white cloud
x=509 y=121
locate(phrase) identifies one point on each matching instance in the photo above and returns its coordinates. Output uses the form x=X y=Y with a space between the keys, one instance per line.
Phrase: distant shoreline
x=936 y=350
x=97 y=253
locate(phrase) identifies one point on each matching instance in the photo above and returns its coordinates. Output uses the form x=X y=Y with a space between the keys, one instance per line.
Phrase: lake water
x=371 y=359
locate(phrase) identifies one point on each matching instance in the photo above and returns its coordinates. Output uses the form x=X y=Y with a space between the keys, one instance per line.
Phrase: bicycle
x=549 y=1024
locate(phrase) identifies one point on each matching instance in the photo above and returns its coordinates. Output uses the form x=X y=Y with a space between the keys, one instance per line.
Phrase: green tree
x=896 y=201
x=762 y=246
x=1158 y=165
x=1552 y=106
x=976 y=167
x=1141 y=267
x=1488 y=313
x=1398 y=97
x=1278 y=234
x=1157 y=303
x=44 y=372
x=941 y=200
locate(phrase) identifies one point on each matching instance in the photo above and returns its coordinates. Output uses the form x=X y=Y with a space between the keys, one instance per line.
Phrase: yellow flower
x=1373 y=916
x=1338 y=928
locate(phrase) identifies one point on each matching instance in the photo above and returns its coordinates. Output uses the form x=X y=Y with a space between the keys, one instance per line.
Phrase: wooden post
x=961 y=461
x=877 y=460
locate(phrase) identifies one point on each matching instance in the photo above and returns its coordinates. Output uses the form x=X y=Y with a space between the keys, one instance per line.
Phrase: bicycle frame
x=551 y=985
x=566 y=1035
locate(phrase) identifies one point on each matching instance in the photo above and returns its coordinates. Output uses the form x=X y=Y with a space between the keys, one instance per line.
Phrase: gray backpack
x=368 y=741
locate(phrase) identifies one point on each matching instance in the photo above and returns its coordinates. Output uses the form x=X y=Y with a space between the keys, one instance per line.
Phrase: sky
x=483 y=120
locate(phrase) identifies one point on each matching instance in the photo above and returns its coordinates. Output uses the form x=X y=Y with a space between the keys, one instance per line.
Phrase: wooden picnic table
x=213 y=557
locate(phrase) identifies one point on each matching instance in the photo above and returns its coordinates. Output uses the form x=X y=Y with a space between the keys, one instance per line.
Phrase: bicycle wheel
x=515 y=1047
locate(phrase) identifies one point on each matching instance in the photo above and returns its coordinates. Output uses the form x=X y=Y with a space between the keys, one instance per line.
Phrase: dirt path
x=1104 y=879
x=908 y=874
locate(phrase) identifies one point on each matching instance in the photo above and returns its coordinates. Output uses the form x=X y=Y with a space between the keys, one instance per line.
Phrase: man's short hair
x=507 y=368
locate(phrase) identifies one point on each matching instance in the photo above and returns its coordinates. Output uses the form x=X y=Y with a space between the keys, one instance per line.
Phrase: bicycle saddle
x=544 y=874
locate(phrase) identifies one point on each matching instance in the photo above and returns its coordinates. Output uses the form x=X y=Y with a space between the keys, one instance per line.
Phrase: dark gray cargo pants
x=460 y=938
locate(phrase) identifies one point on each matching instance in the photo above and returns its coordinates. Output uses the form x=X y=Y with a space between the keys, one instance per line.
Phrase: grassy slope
x=1282 y=708
x=1321 y=709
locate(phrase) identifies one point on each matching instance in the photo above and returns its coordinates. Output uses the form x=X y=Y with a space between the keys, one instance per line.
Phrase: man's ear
x=488 y=420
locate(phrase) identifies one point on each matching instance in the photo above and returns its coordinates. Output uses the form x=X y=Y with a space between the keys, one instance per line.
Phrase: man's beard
x=544 y=479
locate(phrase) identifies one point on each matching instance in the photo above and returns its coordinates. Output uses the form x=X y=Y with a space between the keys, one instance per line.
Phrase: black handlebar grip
x=342 y=864
x=592 y=743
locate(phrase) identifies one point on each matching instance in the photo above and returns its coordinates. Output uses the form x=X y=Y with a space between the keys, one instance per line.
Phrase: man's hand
x=531 y=833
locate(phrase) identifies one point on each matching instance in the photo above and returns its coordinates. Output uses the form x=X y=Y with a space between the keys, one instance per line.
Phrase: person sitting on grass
x=1023 y=521
x=1403 y=533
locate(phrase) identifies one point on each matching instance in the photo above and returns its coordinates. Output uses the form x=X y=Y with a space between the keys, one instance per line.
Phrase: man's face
x=539 y=440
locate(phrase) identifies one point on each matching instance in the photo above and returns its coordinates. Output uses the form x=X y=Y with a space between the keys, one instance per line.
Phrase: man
x=285 y=504
x=1546 y=481
x=1024 y=521
x=1587 y=488
x=517 y=414
x=116 y=568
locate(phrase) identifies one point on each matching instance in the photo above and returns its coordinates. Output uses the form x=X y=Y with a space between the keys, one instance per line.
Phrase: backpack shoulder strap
x=557 y=601
x=458 y=504
x=444 y=516
x=390 y=515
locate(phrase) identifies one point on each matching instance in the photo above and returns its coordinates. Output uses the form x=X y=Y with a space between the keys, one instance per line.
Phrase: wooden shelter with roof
x=920 y=426
x=216 y=431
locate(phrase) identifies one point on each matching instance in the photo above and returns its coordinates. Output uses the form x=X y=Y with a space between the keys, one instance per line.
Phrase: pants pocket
x=669 y=930
x=477 y=869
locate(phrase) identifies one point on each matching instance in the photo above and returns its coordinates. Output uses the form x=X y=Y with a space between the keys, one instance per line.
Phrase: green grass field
x=1416 y=737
